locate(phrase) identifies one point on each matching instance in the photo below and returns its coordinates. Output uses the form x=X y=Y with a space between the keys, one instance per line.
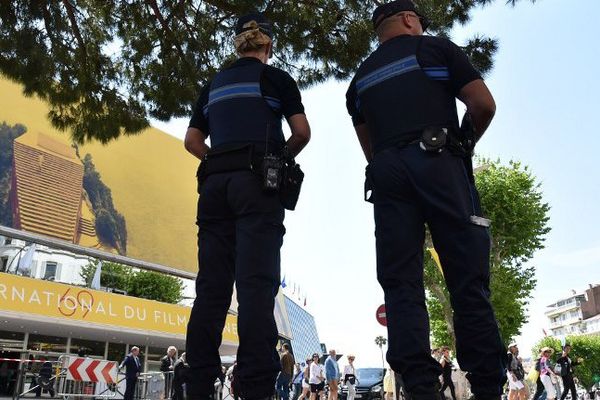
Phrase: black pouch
x=227 y=160
x=433 y=139
x=291 y=185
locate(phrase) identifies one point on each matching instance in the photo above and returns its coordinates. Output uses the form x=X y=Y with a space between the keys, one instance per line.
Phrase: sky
x=547 y=94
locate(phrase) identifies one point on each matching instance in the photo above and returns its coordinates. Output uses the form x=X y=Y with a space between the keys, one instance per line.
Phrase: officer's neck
x=392 y=34
x=260 y=55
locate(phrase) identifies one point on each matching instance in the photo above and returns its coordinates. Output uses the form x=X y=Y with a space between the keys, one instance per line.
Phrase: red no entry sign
x=380 y=315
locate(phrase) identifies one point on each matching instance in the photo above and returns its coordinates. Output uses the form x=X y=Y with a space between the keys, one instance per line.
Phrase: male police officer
x=402 y=103
x=240 y=225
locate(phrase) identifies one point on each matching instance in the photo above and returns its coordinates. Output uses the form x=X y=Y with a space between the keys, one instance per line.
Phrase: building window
x=87 y=348
x=50 y=271
x=55 y=344
x=116 y=351
x=11 y=340
x=3 y=264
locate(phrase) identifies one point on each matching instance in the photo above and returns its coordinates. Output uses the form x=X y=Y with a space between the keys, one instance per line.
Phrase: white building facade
x=578 y=314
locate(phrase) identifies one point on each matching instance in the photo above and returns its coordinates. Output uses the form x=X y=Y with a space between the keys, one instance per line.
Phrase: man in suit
x=167 y=364
x=133 y=368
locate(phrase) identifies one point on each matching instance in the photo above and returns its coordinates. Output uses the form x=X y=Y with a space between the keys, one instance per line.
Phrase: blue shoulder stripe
x=238 y=90
x=386 y=72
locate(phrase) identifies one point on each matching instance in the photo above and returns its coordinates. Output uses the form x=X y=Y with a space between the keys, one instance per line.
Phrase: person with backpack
x=515 y=374
x=566 y=365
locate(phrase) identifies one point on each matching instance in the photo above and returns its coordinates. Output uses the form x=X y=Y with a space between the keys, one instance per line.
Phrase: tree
x=109 y=223
x=381 y=341
x=144 y=284
x=8 y=134
x=106 y=66
x=512 y=199
x=113 y=275
x=156 y=286
x=586 y=347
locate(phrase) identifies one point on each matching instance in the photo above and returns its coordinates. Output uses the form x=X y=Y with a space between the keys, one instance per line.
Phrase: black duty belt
x=233 y=159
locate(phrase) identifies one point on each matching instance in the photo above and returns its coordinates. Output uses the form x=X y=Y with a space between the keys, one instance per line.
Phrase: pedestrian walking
x=167 y=364
x=306 y=380
x=546 y=373
x=515 y=374
x=349 y=377
x=566 y=372
x=179 y=371
x=284 y=378
x=241 y=209
x=317 y=378
x=332 y=373
x=403 y=106
x=133 y=368
x=297 y=380
x=44 y=380
x=447 y=366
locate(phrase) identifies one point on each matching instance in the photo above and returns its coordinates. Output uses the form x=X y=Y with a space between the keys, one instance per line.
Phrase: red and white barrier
x=90 y=370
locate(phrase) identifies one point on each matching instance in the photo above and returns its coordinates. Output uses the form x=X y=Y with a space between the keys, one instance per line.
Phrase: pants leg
x=450 y=200
x=539 y=389
x=400 y=232
x=283 y=386
x=129 y=388
x=259 y=236
x=568 y=385
x=214 y=287
x=351 y=391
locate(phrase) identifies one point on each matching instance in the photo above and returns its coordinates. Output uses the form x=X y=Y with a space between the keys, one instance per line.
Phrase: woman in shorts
x=317 y=378
x=305 y=377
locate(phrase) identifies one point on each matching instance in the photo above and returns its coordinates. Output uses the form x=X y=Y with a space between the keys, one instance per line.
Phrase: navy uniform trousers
x=412 y=188
x=240 y=235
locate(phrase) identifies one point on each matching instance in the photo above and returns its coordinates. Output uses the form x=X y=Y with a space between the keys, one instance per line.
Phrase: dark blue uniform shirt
x=433 y=52
x=275 y=83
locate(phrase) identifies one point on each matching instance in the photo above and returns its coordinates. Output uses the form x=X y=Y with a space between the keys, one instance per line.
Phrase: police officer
x=403 y=107
x=240 y=224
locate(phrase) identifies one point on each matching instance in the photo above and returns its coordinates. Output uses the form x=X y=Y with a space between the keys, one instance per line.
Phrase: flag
x=96 y=280
x=283 y=284
x=543 y=330
x=304 y=301
x=25 y=261
x=294 y=291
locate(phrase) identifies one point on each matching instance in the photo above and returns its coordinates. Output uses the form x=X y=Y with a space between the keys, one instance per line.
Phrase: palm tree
x=381 y=341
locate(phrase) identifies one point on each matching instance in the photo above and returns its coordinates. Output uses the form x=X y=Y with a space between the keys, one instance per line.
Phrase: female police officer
x=240 y=224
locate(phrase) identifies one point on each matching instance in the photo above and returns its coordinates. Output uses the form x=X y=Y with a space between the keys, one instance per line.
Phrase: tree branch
x=75 y=26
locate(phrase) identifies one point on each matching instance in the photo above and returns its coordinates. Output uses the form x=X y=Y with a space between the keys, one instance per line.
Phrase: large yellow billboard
x=135 y=196
x=83 y=305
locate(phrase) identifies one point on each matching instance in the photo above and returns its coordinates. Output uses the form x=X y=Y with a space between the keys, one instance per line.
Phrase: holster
x=291 y=184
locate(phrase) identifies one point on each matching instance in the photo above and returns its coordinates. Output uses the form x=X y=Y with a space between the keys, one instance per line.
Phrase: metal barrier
x=87 y=378
x=83 y=377
x=35 y=377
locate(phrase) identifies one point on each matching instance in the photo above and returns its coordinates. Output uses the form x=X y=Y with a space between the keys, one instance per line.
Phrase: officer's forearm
x=481 y=120
x=362 y=131
x=480 y=104
x=295 y=144
x=195 y=143
x=300 y=134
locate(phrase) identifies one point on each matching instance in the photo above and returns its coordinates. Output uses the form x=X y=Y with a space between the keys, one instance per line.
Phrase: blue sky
x=546 y=90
